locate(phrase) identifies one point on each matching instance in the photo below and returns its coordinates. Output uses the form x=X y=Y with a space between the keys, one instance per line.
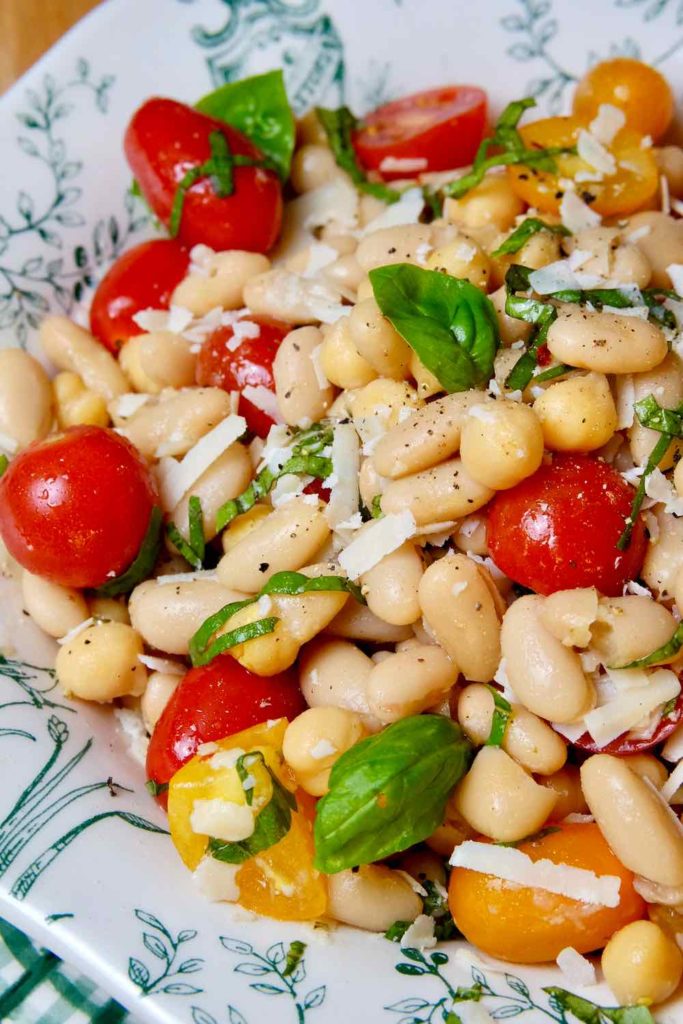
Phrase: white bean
x=173 y=424
x=391 y=587
x=501 y=443
x=606 y=342
x=335 y=673
x=300 y=394
x=371 y=897
x=436 y=495
x=167 y=615
x=409 y=682
x=158 y=360
x=392 y=245
x=25 y=397
x=160 y=688
x=56 y=609
x=70 y=347
x=631 y=627
x=225 y=478
x=222 y=284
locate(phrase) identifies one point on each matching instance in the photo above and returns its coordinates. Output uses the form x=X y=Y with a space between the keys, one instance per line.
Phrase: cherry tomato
x=165 y=140
x=75 y=508
x=440 y=126
x=636 y=88
x=559 y=528
x=249 y=364
x=635 y=182
x=143 y=278
x=215 y=701
x=626 y=744
x=528 y=926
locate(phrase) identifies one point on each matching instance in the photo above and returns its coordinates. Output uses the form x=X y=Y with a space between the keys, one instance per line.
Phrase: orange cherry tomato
x=279 y=881
x=528 y=926
x=635 y=182
x=636 y=88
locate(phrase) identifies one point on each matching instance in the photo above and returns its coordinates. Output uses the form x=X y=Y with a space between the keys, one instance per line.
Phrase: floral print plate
x=86 y=865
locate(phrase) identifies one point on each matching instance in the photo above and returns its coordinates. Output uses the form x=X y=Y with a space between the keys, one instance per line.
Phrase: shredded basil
x=449 y=324
x=512 y=150
x=339 y=126
x=156 y=788
x=533 y=311
x=521 y=235
x=389 y=791
x=305 y=460
x=376 y=507
x=502 y=712
x=272 y=823
x=667 y=652
x=669 y=423
x=142 y=567
x=591 y=1013
x=194 y=550
x=4 y=463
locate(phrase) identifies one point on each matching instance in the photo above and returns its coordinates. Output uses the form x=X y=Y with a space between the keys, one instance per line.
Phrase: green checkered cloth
x=36 y=987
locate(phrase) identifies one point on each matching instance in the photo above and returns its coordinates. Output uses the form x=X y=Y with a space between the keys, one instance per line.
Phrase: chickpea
x=341 y=361
x=377 y=341
x=75 y=404
x=315 y=740
x=578 y=414
x=462 y=258
x=501 y=443
x=101 y=663
x=491 y=202
x=642 y=964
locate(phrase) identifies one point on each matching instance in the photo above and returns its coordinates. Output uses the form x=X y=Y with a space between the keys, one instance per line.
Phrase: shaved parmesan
x=639 y=312
x=511 y=864
x=377 y=540
x=200 y=260
x=264 y=399
x=406 y=211
x=673 y=748
x=125 y=405
x=175 y=319
x=320 y=377
x=403 y=164
x=344 y=494
x=607 y=123
x=171 y=668
x=662 y=491
x=592 y=151
x=632 y=705
x=134 y=733
x=675 y=272
x=414 y=884
x=673 y=783
x=287 y=487
x=226 y=758
x=206 y=749
x=319 y=257
x=560 y=276
x=241 y=330
x=176 y=478
x=216 y=880
x=222 y=819
x=635 y=236
x=576 y=968
x=420 y=934
x=187 y=577
x=76 y=631
x=577 y=215
x=632 y=587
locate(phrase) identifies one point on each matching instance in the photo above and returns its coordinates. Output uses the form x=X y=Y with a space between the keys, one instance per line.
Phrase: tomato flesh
x=626 y=744
x=143 y=278
x=251 y=363
x=166 y=139
x=75 y=508
x=214 y=701
x=559 y=528
x=442 y=127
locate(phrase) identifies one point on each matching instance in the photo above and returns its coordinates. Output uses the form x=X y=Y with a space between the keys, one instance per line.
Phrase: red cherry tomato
x=213 y=702
x=442 y=126
x=143 y=278
x=165 y=140
x=626 y=744
x=559 y=528
x=75 y=508
x=251 y=363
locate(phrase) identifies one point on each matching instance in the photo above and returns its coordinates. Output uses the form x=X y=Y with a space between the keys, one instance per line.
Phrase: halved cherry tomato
x=442 y=127
x=166 y=139
x=75 y=507
x=143 y=278
x=635 y=182
x=281 y=881
x=528 y=926
x=559 y=528
x=250 y=363
x=627 y=744
x=215 y=701
x=638 y=89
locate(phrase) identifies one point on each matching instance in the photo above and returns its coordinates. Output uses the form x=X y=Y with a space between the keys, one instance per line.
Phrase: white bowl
x=89 y=872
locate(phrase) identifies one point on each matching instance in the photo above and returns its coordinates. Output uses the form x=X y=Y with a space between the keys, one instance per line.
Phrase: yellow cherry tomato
x=634 y=182
x=527 y=926
x=639 y=90
x=279 y=881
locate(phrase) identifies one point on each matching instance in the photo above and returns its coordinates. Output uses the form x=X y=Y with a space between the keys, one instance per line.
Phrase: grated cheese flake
x=186 y=577
x=576 y=968
x=632 y=703
x=76 y=631
x=592 y=151
x=577 y=215
x=264 y=399
x=673 y=783
x=420 y=934
x=177 y=477
x=171 y=668
x=406 y=211
x=607 y=123
x=126 y=405
x=134 y=733
x=323 y=748
x=377 y=540
x=222 y=819
x=675 y=272
x=344 y=493
x=673 y=748
x=216 y=880
x=403 y=164
x=515 y=866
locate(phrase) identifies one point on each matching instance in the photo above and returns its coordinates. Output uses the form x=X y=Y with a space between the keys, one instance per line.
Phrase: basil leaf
x=502 y=712
x=521 y=235
x=155 y=788
x=397 y=930
x=449 y=324
x=4 y=463
x=656 y=456
x=259 y=108
x=272 y=824
x=389 y=791
x=143 y=564
x=591 y=1013
x=194 y=550
x=667 y=652
x=339 y=126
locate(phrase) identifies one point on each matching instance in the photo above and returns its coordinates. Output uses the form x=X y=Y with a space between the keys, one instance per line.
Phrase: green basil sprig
x=389 y=791
x=144 y=562
x=521 y=235
x=669 y=423
x=339 y=126
x=502 y=712
x=272 y=823
x=305 y=460
x=667 y=652
x=259 y=108
x=511 y=150
x=449 y=324
x=590 y=1013
x=194 y=549
x=202 y=650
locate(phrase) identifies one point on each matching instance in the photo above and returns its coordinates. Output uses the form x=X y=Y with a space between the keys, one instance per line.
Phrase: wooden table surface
x=29 y=27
